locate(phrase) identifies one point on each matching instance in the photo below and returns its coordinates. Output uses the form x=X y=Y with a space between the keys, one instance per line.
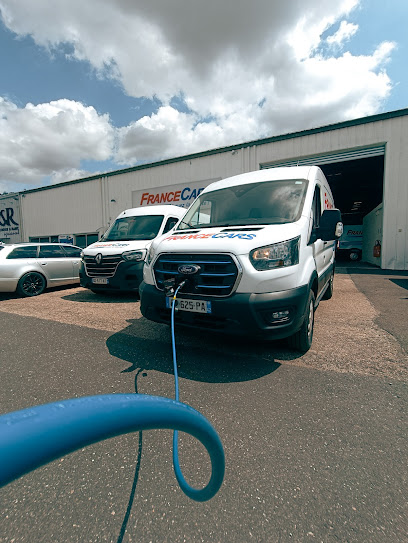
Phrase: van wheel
x=329 y=291
x=354 y=255
x=302 y=340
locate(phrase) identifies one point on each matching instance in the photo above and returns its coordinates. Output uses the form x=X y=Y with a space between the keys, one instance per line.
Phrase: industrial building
x=365 y=161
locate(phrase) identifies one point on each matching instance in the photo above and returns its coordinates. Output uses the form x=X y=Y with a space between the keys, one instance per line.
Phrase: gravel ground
x=347 y=338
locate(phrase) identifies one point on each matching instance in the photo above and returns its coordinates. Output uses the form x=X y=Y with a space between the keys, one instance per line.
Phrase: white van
x=350 y=245
x=115 y=262
x=257 y=254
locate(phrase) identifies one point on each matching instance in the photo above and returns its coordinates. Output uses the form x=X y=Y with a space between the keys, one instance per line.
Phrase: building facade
x=365 y=161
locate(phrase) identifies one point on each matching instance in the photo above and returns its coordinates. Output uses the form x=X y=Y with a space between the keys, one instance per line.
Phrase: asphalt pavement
x=387 y=290
x=315 y=445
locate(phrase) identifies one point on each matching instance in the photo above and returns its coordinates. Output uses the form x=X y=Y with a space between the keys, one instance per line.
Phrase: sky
x=88 y=87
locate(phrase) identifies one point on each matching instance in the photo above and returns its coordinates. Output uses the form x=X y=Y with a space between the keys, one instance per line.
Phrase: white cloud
x=70 y=174
x=343 y=34
x=42 y=140
x=170 y=133
x=245 y=70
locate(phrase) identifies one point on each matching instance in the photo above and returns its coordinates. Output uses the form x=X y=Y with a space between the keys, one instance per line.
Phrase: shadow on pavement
x=401 y=283
x=212 y=358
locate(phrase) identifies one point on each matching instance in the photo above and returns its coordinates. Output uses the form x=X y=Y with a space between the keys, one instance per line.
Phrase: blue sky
x=96 y=86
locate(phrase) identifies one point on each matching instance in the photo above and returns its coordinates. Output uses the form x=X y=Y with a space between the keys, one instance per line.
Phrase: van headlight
x=278 y=255
x=134 y=255
x=150 y=255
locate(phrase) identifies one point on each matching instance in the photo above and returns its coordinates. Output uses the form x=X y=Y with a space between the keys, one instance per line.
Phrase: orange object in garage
x=377 y=249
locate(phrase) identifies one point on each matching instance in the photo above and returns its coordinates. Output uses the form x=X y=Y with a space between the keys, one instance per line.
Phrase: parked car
x=30 y=268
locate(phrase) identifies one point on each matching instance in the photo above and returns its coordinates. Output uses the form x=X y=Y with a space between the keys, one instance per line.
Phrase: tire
x=31 y=284
x=354 y=255
x=302 y=340
x=329 y=291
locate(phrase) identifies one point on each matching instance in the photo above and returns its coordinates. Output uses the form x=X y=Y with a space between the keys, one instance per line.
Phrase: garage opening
x=357 y=187
x=356 y=179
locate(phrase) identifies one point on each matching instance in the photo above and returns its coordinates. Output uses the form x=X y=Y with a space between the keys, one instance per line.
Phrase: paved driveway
x=315 y=444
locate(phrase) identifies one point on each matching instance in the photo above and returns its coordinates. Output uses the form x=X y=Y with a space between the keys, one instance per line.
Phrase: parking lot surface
x=315 y=444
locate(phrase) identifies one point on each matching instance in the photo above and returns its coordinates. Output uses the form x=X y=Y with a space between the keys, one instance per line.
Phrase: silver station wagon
x=30 y=268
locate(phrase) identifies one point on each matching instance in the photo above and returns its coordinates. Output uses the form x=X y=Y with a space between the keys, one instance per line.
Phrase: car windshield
x=267 y=202
x=134 y=228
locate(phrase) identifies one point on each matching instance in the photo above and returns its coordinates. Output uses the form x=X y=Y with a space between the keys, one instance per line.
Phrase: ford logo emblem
x=189 y=269
x=98 y=259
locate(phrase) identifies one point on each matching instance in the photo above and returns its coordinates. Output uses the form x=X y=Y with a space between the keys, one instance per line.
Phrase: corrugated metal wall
x=67 y=209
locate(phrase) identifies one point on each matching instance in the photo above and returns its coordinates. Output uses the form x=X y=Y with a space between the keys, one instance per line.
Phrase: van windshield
x=267 y=202
x=134 y=228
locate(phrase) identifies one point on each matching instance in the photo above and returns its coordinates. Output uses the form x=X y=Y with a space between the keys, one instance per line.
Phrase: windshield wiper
x=223 y=224
x=187 y=224
x=115 y=239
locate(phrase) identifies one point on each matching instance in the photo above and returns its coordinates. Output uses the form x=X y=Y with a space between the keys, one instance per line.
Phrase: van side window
x=171 y=221
x=316 y=208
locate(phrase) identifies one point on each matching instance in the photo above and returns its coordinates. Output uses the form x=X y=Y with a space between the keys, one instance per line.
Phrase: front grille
x=106 y=268
x=217 y=276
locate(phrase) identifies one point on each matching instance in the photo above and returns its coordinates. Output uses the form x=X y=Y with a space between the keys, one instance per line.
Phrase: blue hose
x=186 y=488
x=37 y=435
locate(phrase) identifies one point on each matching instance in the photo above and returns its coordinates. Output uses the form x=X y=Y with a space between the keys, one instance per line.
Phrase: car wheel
x=31 y=284
x=302 y=340
x=329 y=291
x=354 y=255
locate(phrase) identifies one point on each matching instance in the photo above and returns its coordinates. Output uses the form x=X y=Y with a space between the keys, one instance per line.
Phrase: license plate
x=194 y=306
x=100 y=280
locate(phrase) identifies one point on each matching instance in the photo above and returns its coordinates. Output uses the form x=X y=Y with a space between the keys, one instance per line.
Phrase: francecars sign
x=182 y=195
x=10 y=230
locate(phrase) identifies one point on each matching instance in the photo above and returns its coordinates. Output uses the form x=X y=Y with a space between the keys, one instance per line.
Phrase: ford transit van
x=255 y=254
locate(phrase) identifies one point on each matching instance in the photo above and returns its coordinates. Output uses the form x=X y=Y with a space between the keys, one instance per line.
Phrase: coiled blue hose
x=37 y=435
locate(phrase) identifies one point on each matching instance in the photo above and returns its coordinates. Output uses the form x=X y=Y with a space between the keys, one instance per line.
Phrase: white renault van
x=115 y=262
x=256 y=252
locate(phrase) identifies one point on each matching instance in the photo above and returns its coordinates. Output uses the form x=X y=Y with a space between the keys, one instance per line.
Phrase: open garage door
x=356 y=178
x=330 y=158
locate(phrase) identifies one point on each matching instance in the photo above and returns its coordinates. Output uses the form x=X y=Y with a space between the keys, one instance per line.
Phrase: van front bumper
x=273 y=315
x=127 y=278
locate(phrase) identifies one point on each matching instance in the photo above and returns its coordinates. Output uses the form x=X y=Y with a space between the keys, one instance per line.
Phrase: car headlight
x=150 y=255
x=136 y=256
x=82 y=254
x=278 y=255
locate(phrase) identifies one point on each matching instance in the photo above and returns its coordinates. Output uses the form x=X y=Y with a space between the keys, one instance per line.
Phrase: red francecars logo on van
x=219 y=235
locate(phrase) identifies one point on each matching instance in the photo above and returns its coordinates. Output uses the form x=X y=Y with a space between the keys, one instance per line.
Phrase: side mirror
x=331 y=227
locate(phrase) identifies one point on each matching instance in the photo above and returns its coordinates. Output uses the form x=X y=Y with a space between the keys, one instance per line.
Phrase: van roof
x=270 y=174
x=154 y=210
